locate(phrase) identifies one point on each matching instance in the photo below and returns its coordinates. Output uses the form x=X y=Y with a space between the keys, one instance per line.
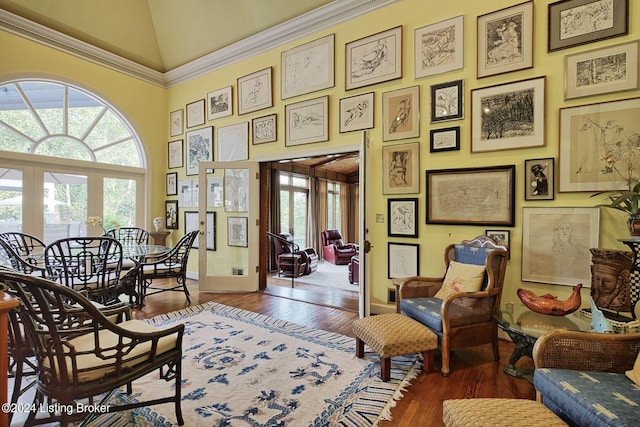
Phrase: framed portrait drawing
x=171 y=214
x=237 y=231
x=191 y=224
x=356 y=112
x=265 y=129
x=508 y=116
x=447 y=101
x=402 y=217
x=438 y=47
x=487 y=195
x=308 y=68
x=199 y=147
x=175 y=123
x=401 y=168
x=539 y=179
x=604 y=70
x=576 y=22
x=596 y=141
x=233 y=142
x=307 y=121
x=401 y=114
x=404 y=260
x=172 y=184
x=195 y=113
x=374 y=59
x=219 y=103
x=501 y=237
x=446 y=139
x=505 y=40
x=556 y=244
x=255 y=91
x=175 y=154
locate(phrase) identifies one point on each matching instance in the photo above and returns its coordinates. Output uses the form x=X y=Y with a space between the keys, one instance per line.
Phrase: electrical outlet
x=380 y=218
x=508 y=308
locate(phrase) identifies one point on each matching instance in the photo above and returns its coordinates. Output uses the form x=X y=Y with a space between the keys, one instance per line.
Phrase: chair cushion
x=470 y=255
x=461 y=277
x=428 y=312
x=634 y=374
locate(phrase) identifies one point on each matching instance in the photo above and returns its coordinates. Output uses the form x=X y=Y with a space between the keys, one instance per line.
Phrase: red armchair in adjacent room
x=335 y=250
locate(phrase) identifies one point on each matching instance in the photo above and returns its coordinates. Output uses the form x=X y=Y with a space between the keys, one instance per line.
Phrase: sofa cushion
x=461 y=277
x=585 y=398
x=634 y=374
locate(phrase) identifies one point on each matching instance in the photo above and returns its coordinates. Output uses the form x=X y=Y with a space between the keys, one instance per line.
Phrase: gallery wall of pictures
x=470 y=125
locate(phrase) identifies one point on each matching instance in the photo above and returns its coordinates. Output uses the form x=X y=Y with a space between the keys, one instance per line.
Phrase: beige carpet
x=328 y=275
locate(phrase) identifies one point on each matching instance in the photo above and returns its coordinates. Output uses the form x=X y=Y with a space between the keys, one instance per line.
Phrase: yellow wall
x=148 y=107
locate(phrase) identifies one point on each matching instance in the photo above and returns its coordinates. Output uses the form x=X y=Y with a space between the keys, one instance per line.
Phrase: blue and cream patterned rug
x=246 y=369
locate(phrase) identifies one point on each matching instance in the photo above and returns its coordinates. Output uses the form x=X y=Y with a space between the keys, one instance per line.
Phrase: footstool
x=394 y=335
x=498 y=412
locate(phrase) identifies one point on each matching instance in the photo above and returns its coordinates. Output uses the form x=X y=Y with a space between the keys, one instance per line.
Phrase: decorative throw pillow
x=461 y=278
x=634 y=374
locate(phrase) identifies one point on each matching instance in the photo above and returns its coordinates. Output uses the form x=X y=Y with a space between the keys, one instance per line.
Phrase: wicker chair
x=82 y=354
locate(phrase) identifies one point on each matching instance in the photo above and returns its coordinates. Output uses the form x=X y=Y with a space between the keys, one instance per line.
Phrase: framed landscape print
x=171 y=214
x=237 y=231
x=401 y=168
x=404 y=260
x=255 y=91
x=401 y=114
x=175 y=155
x=233 y=142
x=172 y=184
x=265 y=129
x=195 y=113
x=438 y=47
x=220 y=103
x=447 y=139
x=539 y=179
x=508 y=116
x=402 y=217
x=447 y=101
x=308 y=68
x=175 y=123
x=356 y=112
x=374 y=59
x=576 y=22
x=307 y=121
x=505 y=40
x=199 y=147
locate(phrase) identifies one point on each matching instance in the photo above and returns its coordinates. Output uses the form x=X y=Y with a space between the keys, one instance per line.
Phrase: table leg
x=524 y=347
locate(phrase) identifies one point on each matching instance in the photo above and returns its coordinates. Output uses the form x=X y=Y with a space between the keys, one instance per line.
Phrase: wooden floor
x=473 y=372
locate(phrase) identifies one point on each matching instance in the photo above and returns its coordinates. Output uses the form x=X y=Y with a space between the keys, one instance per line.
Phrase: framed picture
x=236 y=182
x=237 y=231
x=487 y=195
x=308 y=68
x=447 y=139
x=215 y=196
x=171 y=214
x=233 y=142
x=447 y=101
x=402 y=216
x=596 y=142
x=556 y=243
x=606 y=70
x=438 y=47
x=175 y=123
x=220 y=103
x=356 y=112
x=185 y=188
x=374 y=59
x=539 y=179
x=508 y=116
x=505 y=40
x=175 y=154
x=307 y=121
x=265 y=129
x=401 y=114
x=191 y=224
x=404 y=260
x=255 y=92
x=501 y=237
x=576 y=22
x=199 y=147
x=401 y=168
x=195 y=113
x=172 y=184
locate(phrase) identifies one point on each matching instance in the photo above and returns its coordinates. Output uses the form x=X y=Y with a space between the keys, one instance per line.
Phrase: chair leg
x=184 y=287
x=496 y=350
x=178 y=397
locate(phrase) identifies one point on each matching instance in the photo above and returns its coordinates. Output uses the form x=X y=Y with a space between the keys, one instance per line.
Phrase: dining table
x=137 y=253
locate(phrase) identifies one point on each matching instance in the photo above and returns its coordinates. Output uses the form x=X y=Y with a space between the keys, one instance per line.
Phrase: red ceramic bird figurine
x=549 y=304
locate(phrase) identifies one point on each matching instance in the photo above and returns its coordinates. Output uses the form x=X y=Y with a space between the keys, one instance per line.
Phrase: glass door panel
x=10 y=199
x=119 y=206
x=65 y=206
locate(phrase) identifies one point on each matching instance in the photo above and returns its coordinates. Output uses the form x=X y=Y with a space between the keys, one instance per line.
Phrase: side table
x=160 y=237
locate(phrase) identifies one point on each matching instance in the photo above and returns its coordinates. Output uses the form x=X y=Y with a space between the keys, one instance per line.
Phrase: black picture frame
x=501 y=237
x=171 y=215
x=446 y=139
x=539 y=179
x=447 y=101
x=172 y=184
x=403 y=260
x=402 y=217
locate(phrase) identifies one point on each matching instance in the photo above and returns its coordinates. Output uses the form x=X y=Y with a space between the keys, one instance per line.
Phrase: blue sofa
x=581 y=377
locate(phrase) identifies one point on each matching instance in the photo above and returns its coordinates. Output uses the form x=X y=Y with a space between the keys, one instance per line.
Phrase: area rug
x=327 y=275
x=246 y=369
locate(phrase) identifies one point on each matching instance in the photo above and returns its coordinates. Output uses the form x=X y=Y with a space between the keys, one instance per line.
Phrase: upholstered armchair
x=284 y=247
x=460 y=306
x=335 y=250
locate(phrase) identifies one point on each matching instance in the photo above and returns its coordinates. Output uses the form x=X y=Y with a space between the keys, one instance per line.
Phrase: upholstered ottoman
x=394 y=335
x=497 y=412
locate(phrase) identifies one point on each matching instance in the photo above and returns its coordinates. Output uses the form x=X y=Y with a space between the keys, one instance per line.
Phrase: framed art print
x=374 y=59
x=500 y=237
x=438 y=48
x=195 y=113
x=265 y=129
x=401 y=168
x=402 y=216
x=576 y=22
x=308 y=68
x=199 y=147
x=447 y=139
x=237 y=231
x=236 y=181
x=508 y=116
x=404 y=260
x=191 y=224
x=175 y=154
x=175 y=123
x=505 y=40
x=401 y=114
x=172 y=184
x=171 y=214
x=307 y=121
x=539 y=179
x=447 y=101
x=233 y=142
x=356 y=112
x=255 y=91
x=220 y=103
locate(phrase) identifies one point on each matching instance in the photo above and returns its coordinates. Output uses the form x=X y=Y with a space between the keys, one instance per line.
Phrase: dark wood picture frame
x=446 y=139
x=402 y=217
x=171 y=214
x=447 y=101
x=539 y=179
x=501 y=237
x=172 y=184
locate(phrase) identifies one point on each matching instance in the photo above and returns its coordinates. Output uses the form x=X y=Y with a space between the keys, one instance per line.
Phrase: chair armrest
x=419 y=287
x=586 y=351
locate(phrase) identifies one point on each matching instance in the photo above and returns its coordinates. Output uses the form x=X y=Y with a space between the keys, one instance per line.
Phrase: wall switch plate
x=380 y=217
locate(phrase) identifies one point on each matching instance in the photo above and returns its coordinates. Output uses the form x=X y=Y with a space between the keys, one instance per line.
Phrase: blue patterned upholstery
x=583 y=398
x=470 y=255
x=425 y=311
